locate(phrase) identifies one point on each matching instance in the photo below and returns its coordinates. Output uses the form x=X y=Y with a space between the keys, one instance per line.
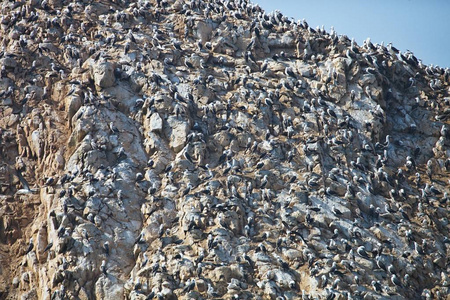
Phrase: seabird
x=418 y=248
x=404 y=214
x=106 y=247
x=268 y=102
x=211 y=293
x=264 y=66
x=150 y=163
x=140 y=239
x=331 y=113
x=48 y=247
x=30 y=246
x=155 y=268
x=177 y=44
x=144 y=261
x=395 y=280
x=188 y=64
x=289 y=72
x=264 y=182
x=417 y=180
x=336 y=211
x=362 y=252
x=169 y=167
x=187 y=156
x=187 y=190
x=49 y=181
x=210 y=241
x=139 y=177
x=103 y=267
x=376 y=286
x=161 y=230
x=433 y=190
x=391 y=269
x=410 y=163
x=380 y=263
x=313 y=182
x=190 y=284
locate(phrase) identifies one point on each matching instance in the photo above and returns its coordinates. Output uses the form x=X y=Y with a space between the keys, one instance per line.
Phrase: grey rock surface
x=209 y=150
x=103 y=73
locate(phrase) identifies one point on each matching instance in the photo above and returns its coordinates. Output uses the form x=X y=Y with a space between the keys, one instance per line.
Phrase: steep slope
x=206 y=149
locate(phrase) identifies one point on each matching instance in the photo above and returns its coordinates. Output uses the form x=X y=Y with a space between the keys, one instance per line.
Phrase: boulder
x=8 y=62
x=176 y=131
x=156 y=123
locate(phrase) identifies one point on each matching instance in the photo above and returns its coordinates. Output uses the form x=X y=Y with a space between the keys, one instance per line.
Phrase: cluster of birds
x=278 y=180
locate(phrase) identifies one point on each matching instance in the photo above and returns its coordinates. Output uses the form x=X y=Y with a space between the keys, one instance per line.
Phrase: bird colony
x=202 y=149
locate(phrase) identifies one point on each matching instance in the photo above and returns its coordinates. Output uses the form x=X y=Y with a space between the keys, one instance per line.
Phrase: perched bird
x=48 y=247
x=418 y=248
x=395 y=280
x=106 y=247
x=391 y=269
x=211 y=292
x=336 y=211
x=377 y=286
x=103 y=267
x=264 y=66
x=30 y=246
x=361 y=250
x=113 y=128
x=190 y=284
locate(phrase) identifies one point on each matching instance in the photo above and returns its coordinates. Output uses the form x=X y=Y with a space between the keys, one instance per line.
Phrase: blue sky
x=421 y=26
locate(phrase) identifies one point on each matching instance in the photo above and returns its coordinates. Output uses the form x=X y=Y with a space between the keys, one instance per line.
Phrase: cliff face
x=204 y=149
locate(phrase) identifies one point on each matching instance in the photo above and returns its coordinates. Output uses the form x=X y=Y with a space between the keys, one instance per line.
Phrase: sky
x=421 y=26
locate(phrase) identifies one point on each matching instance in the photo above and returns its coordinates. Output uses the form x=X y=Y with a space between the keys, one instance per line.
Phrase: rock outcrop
x=209 y=150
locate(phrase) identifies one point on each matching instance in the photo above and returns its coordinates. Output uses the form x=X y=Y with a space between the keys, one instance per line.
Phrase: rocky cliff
x=209 y=150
